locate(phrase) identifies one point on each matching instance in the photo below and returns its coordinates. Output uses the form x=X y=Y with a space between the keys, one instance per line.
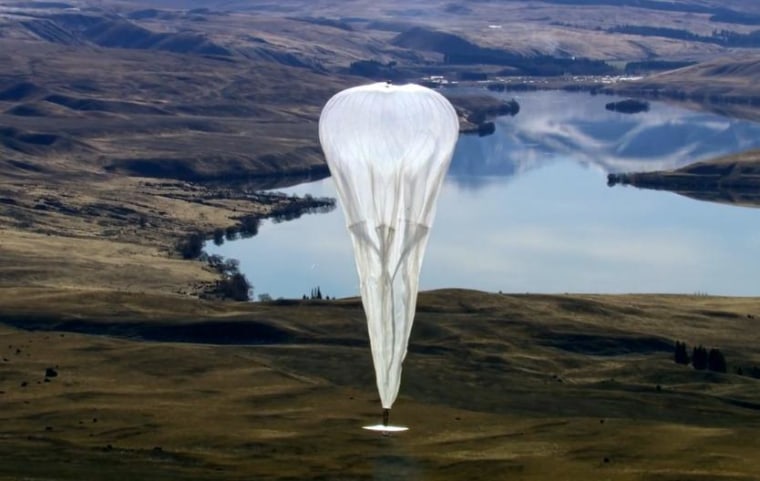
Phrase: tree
x=681 y=355
x=699 y=358
x=716 y=361
x=192 y=247
x=216 y=261
x=231 y=233
x=236 y=287
x=230 y=267
x=218 y=236
x=249 y=226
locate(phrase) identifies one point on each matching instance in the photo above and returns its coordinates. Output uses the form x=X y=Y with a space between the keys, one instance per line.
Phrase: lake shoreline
x=158 y=214
x=733 y=179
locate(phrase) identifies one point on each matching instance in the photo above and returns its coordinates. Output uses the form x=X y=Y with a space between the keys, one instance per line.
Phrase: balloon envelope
x=388 y=149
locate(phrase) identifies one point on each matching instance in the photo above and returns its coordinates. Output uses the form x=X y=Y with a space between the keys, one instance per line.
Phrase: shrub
x=716 y=361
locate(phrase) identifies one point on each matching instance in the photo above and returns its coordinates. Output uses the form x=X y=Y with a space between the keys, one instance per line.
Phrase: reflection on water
x=528 y=210
x=560 y=125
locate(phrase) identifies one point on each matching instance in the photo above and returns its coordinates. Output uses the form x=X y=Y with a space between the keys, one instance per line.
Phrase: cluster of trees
x=728 y=38
x=192 y=246
x=247 y=227
x=315 y=294
x=712 y=360
x=700 y=358
x=308 y=204
x=724 y=38
x=233 y=284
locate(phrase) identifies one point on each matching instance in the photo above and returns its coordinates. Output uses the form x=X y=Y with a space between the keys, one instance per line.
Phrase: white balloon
x=388 y=149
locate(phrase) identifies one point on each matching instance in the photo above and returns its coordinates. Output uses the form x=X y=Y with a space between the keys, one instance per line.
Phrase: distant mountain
x=204 y=73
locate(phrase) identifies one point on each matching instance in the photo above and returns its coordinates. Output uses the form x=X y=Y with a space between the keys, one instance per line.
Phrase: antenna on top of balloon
x=388 y=175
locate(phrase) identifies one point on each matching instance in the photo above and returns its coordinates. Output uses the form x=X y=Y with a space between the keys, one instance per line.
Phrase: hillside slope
x=541 y=387
x=114 y=115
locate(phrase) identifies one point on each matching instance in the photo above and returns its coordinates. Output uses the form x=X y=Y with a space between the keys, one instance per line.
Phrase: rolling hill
x=540 y=387
x=117 y=115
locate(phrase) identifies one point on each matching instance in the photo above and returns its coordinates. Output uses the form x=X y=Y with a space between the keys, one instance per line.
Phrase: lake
x=527 y=209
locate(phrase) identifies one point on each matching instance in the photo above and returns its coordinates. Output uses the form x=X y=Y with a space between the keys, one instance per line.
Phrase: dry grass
x=58 y=262
x=495 y=386
x=155 y=384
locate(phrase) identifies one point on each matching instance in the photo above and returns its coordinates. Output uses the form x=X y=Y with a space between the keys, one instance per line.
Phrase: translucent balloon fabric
x=388 y=149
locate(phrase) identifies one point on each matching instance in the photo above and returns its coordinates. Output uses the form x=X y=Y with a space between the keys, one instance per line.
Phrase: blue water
x=528 y=210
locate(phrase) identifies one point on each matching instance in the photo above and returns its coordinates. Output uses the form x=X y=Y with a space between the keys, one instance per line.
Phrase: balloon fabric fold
x=388 y=149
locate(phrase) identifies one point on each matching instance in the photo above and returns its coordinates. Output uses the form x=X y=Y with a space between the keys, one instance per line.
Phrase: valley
x=129 y=128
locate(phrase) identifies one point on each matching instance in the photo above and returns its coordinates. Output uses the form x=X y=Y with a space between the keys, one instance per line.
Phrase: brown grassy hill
x=87 y=135
x=725 y=76
x=538 y=387
x=111 y=368
x=140 y=105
